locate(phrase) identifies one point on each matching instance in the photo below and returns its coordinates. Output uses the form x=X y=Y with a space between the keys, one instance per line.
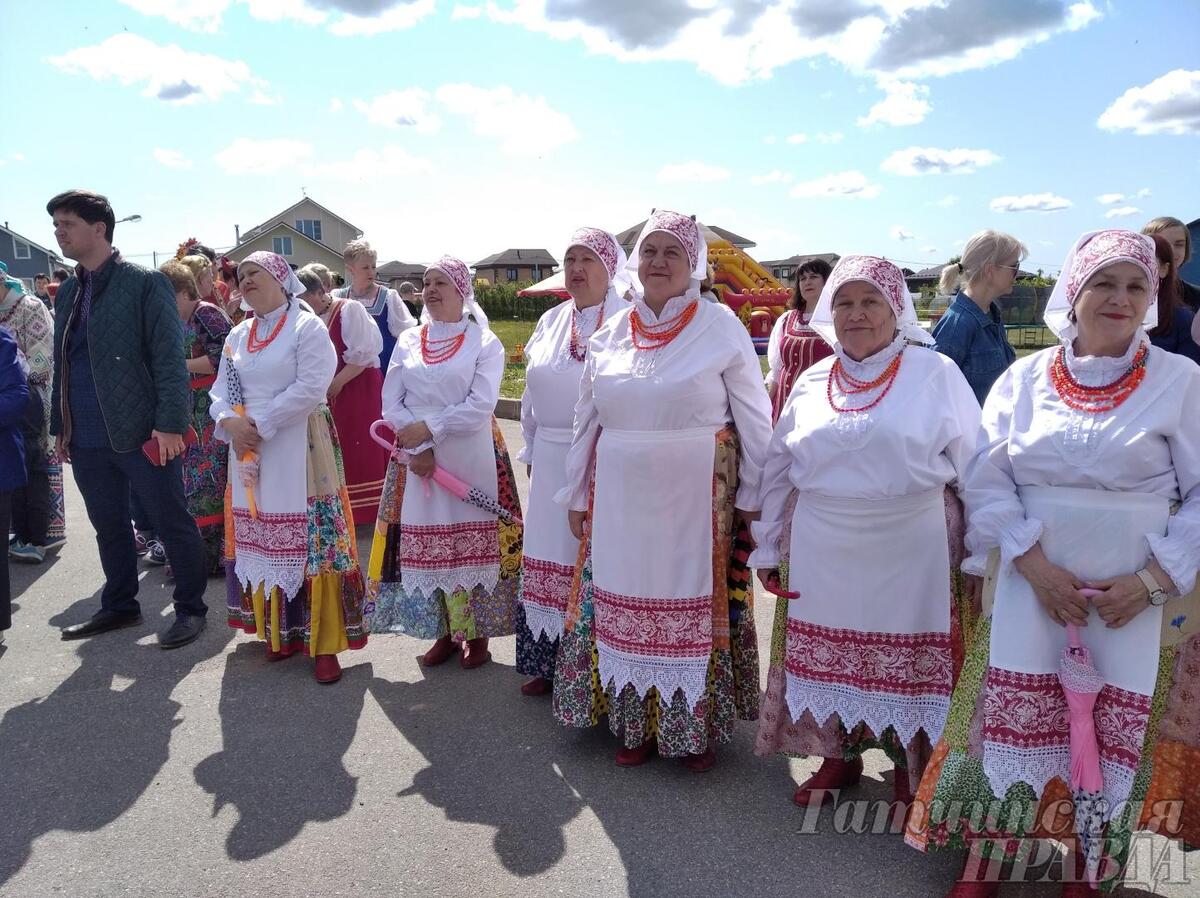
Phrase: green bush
x=500 y=301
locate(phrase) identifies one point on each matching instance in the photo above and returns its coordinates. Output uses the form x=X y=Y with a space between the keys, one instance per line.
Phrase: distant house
x=303 y=232
x=1190 y=271
x=628 y=237
x=25 y=258
x=784 y=270
x=930 y=276
x=396 y=273
x=516 y=266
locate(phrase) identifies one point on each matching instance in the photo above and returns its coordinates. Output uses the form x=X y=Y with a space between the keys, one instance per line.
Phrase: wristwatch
x=1158 y=595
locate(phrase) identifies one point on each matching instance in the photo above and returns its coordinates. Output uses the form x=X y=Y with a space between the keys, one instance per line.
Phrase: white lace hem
x=253 y=571
x=542 y=620
x=450 y=580
x=619 y=669
x=1005 y=766
x=907 y=714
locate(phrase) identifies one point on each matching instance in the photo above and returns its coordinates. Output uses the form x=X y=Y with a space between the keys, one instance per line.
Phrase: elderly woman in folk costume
x=1086 y=490
x=354 y=394
x=670 y=432
x=292 y=566
x=38 y=511
x=442 y=568
x=594 y=268
x=862 y=654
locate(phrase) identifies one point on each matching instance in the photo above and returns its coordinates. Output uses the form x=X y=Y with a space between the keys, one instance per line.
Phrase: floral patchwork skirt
x=732 y=693
x=326 y=615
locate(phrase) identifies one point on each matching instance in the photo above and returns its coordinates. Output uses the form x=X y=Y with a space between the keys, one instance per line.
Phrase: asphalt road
x=129 y=771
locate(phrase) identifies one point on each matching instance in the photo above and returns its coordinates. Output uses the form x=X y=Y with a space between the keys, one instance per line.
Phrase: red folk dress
x=794 y=347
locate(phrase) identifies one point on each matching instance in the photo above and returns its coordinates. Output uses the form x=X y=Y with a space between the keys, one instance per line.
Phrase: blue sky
x=896 y=127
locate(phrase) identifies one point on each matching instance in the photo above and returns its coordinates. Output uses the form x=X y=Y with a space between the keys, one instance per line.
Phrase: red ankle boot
x=439 y=652
x=635 y=757
x=973 y=881
x=702 y=762
x=833 y=774
x=476 y=655
x=328 y=669
x=537 y=686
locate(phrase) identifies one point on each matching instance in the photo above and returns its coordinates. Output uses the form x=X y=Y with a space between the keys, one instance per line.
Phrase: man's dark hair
x=61 y=274
x=41 y=277
x=205 y=251
x=91 y=207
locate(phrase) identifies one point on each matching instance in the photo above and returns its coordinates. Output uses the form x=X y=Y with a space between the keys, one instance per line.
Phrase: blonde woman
x=971 y=332
x=383 y=303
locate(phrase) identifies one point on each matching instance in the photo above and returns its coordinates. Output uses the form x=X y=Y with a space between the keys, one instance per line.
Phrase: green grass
x=512 y=334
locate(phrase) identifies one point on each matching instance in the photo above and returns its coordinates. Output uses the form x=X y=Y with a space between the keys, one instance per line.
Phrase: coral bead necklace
x=1103 y=398
x=656 y=336
x=434 y=352
x=253 y=344
x=848 y=385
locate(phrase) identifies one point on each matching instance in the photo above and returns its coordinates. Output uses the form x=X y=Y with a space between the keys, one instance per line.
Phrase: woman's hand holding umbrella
x=422 y=463
x=413 y=435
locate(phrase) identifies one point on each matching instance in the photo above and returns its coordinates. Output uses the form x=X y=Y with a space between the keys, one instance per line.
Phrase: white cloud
x=770 y=139
x=929 y=250
x=1030 y=202
x=262 y=98
x=1107 y=199
x=772 y=177
x=246 y=156
x=401 y=109
x=169 y=72
x=902 y=234
x=466 y=12
x=524 y=125
x=1143 y=193
x=947 y=201
x=397 y=18
x=17 y=157
x=797 y=138
x=1167 y=105
x=847 y=183
x=904 y=103
x=263 y=157
x=1122 y=212
x=335 y=105
x=171 y=158
x=830 y=137
x=697 y=172
x=342 y=17
x=932 y=160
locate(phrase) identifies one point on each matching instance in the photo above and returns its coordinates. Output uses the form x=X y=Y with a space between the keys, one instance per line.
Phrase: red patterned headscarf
x=885 y=277
x=1091 y=253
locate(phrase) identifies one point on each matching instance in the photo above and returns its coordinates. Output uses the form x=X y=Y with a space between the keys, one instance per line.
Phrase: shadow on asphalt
x=79 y=758
x=284 y=740
x=23 y=576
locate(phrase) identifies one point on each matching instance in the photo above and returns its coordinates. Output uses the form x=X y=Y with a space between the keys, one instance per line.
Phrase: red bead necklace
x=849 y=385
x=253 y=344
x=1103 y=398
x=657 y=336
x=578 y=346
x=434 y=352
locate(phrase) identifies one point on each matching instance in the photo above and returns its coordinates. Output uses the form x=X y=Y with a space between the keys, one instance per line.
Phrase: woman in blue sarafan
x=384 y=303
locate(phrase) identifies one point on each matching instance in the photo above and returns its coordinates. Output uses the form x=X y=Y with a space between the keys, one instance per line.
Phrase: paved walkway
x=126 y=770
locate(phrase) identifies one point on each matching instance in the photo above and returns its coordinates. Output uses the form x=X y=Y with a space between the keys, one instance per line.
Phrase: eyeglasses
x=1015 y=269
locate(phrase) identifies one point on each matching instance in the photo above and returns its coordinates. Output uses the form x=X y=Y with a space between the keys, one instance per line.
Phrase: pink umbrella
x=1081 y=682
x=455 y=486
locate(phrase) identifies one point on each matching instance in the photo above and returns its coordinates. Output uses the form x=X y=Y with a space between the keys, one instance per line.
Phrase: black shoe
x=101 y=622
x=187 y=628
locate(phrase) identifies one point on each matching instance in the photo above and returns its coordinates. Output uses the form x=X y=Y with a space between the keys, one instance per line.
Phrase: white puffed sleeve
x=477 y=409
x=774 y=354
x=574 y=496
x=751 y=412
x=1179 y=551
x=361 y=335
x=995 y=514
x=400 y=318
x=316 y=363
x=528 y=416
x=964 y=418
x=773 y=492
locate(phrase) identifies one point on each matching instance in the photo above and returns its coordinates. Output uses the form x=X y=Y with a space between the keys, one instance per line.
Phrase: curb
x=509 y=409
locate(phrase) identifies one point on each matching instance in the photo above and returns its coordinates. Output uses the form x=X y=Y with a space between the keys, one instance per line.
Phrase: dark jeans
x=107 y=479
x=5 y=589
x=141 y=520
x=31 y=503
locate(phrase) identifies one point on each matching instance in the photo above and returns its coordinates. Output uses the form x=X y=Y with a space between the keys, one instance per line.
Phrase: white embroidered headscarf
x=460 y=276
x=885 y=277
x=1093 y=251
x=688 y=232
x=277 y=267
x=604 y=245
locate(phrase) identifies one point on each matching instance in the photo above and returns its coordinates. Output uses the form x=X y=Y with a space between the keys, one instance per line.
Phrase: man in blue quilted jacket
x=119 y=380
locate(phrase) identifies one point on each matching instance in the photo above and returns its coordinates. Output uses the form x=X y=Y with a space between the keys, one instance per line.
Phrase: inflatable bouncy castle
x=746 y=287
